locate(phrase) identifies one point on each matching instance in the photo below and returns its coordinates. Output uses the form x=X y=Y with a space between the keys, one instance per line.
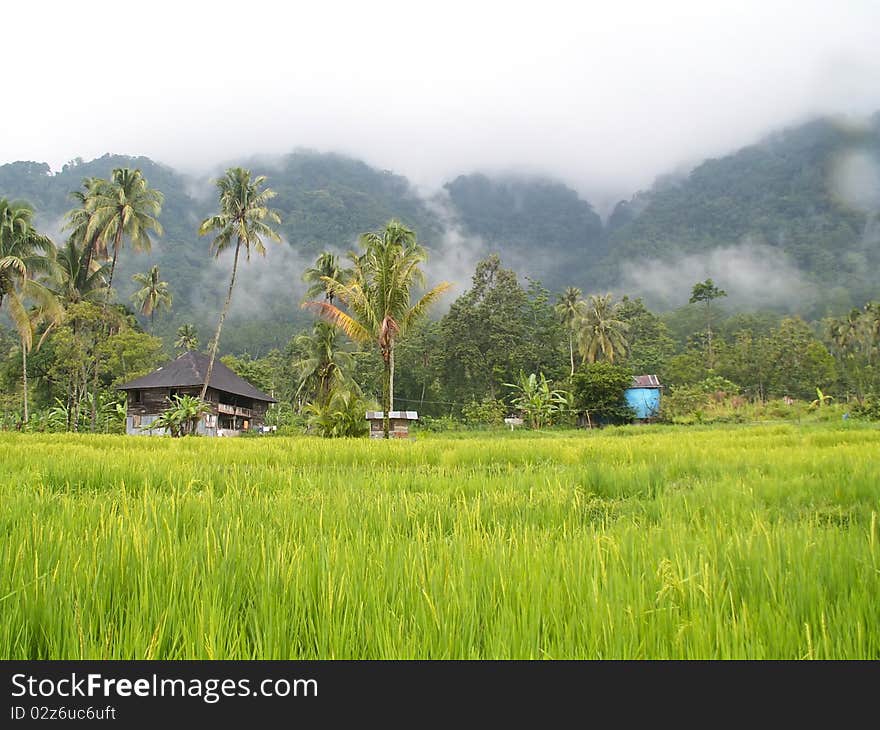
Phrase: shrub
x=488 y=412
x=342 y=414
x=867 y=410
x=598 y=389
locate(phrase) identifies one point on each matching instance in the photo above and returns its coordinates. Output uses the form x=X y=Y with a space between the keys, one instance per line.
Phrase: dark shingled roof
x=190 y=369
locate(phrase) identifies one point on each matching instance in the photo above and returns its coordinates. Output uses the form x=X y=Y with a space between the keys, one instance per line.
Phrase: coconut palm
x=24 y=255
x=569 y=308
x=80 y=278
x=378 y=297
x=244 y=220
x=123 y=208
x=187 y=338
x=152 y=295
x=601 y=335
x=78 y=221
x=319 y=276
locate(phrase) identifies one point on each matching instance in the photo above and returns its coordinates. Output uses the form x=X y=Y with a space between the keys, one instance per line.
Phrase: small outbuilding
x=644 y=396
x=399 y=426
x=234 y=404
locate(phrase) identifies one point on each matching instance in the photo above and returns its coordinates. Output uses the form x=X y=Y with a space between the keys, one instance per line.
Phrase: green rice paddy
x=652 y=542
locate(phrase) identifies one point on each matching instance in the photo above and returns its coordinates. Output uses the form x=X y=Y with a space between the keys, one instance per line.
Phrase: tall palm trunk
x=116 y=242
x=391 y=383
x=24 y=379
x=93 y=416
x=216 y=341
x=388 y=390
x=571 y=351
x=386 y=395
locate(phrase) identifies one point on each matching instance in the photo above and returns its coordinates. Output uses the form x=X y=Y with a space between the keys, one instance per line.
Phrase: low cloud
x=755 y=276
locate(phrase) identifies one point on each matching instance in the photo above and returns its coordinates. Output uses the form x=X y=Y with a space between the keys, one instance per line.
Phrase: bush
x=488 y=412
x=341 y=415
x=685 y=404
x=867 y=410
x=439 y=424
x=598 y=389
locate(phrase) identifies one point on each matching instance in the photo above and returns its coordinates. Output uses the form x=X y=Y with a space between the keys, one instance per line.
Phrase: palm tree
x=187 y=338
x=569 y=309
x=152 y=295
x=80 y=278
x=601 y=334
x=378 y=297
x=243 y=219
x=123 y=208
x=325 y=270
x=78 y=221
x=323 y=363
x=25 y=254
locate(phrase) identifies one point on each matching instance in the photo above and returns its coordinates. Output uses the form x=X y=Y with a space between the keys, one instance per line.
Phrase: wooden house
x=399 y=426
x=234 y=404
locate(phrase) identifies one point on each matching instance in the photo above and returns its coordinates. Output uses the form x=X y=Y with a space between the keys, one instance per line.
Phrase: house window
x=137 y=396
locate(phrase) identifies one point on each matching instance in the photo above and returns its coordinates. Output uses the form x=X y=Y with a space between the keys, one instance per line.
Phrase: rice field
x=657 y=542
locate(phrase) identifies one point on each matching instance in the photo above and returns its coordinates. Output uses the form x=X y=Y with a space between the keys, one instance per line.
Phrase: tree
x=84 y=234
x=800 y=362
x=706 y=292
x=79 y=276
x=24 y=254
x=244 y=219
x=601 y=332
x=598 y=392
x=123 y=208
x=152 y=295
x=569 y=308
x=325 y=270
x=650 y=344
x=494 y=331
x=187 y=338
x=322 y=366
x=378 y=298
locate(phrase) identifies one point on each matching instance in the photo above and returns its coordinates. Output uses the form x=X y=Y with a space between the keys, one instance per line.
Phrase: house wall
x=644 y=401
x=153 y=401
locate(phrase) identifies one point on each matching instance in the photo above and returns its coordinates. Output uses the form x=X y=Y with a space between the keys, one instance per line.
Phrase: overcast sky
x=604 y=95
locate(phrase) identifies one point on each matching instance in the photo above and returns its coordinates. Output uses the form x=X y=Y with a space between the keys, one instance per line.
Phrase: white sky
x=604 y=95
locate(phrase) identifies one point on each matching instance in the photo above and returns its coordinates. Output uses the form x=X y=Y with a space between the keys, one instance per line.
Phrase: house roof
x=646 y=381
x=189 y=370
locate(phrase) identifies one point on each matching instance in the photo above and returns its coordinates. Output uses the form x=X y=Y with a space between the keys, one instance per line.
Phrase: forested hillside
x=803 y=203
x=541 y=227
x=809 y=193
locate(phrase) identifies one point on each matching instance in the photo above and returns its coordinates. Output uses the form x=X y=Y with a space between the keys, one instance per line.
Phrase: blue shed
x=644 y=396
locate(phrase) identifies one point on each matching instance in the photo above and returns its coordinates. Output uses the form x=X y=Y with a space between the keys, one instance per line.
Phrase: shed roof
x=402 y=415
x=190 y=369
x=646 y=381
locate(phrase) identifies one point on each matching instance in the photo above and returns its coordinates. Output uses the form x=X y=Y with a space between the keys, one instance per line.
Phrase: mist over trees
x=753 y=277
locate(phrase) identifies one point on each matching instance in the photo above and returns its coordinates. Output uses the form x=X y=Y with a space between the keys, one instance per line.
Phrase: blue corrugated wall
x=644 y=401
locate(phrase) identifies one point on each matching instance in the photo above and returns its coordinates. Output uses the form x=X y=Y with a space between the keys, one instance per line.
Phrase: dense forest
x=530 y=325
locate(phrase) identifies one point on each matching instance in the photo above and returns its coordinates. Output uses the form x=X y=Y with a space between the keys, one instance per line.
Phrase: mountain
x=790 y=223
x=805 y=199
x=540 y=227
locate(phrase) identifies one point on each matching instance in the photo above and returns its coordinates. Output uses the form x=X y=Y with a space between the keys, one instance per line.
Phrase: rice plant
x=724 y=542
